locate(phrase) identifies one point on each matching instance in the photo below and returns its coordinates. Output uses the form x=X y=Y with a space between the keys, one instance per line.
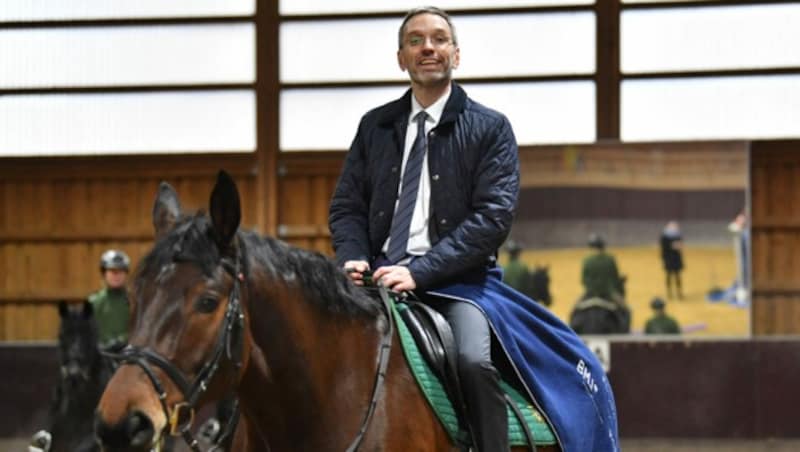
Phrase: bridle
x=180 y=416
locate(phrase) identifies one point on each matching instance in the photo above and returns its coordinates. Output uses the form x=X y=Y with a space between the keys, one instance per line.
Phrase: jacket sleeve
x=348 y=217
x=494 y=199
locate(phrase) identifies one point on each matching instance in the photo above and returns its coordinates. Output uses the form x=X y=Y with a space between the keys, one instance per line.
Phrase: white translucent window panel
x=130 y=55
x=491 y=46
x=711 y=108
x=543 y=112
x=290 y=7
x=327 y=119
x=549 y=112
x=131 y=123
x=710 y=38
x=37 y=10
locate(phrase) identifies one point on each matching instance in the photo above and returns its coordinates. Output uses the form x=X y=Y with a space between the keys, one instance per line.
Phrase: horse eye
x=206 y=304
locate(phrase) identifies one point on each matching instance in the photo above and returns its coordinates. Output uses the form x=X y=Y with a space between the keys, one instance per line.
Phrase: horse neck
x=310 y=376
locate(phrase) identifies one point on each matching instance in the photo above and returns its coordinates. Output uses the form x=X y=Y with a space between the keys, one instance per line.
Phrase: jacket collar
x=398 y=111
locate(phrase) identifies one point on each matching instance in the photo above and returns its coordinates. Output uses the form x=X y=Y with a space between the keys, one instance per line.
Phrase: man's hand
x=395 y=277
x=355 y=270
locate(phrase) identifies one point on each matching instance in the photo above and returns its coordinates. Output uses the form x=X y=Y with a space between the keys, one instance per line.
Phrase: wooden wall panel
x=775 y=223
x=655 y=166
x=305 y=186
x=58 y=215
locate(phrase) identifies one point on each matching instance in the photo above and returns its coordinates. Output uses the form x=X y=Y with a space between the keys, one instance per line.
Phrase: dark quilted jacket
x=474 y=175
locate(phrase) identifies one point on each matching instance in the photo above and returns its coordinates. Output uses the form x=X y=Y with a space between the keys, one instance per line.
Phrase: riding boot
x=486 y=408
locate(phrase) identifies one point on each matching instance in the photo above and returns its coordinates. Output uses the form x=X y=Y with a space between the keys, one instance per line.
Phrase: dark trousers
x=480 y=381
x=674 y=277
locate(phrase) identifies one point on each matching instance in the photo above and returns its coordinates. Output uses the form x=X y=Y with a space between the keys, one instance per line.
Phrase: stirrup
x=209 y=431
x=40 y=441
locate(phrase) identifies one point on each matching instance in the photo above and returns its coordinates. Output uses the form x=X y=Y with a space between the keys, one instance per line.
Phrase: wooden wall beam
x=267 y=115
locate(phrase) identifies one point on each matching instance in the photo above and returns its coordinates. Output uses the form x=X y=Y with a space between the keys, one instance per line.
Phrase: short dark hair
x=426 y=10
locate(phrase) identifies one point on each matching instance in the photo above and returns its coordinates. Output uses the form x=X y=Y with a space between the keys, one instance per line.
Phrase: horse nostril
x=140 y=429
x=135 y=432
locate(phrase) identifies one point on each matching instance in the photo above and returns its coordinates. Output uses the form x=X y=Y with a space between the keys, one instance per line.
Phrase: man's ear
x=400 y=61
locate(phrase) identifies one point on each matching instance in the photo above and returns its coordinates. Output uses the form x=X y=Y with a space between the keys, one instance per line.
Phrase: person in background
x=600 y=274
x=110 y=304
x=741 y=247
x=672 y=258
x=515 y=272
x=661 y=322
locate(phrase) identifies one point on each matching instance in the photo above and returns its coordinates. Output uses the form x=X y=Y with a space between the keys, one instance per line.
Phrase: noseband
x=180 y=416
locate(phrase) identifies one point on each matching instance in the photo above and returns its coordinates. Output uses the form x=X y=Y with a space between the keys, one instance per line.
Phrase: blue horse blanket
x=559 y=372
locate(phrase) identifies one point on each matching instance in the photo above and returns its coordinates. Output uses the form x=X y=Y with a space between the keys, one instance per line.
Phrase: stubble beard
x=431 y=79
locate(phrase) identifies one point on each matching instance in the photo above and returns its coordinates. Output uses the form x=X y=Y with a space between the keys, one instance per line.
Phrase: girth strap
x=522 y=422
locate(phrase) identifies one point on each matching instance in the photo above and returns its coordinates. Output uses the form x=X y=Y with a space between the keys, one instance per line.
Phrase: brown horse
x=228 y=310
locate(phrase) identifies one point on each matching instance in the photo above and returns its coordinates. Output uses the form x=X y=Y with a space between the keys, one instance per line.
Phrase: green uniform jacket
x=600 y=277
x=110 y=308
x=515 y=274
x=662 y=324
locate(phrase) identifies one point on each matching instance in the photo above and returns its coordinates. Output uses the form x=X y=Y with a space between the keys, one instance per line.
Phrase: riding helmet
x=596 y=241
x=114 y=259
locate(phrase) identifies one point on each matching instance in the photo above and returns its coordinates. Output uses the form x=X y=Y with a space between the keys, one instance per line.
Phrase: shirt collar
x=434 y=110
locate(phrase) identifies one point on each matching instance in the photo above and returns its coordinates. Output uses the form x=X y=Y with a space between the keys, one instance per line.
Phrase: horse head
x=215 y=309
x=77 y=345
x=187 y=324
x=540 y=285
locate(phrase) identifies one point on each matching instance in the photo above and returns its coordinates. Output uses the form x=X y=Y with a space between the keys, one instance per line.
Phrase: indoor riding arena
x=656 y=128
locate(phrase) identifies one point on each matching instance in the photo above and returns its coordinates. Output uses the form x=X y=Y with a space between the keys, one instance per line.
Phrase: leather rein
x=384 y=351
x=180 y=416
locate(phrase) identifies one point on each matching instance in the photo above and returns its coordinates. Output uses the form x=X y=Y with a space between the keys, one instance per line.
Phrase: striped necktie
x=401 y=222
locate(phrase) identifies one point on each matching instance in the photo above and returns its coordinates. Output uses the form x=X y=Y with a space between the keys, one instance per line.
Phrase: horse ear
x=88 y=310
x=166 y=209
x=63 y=308
x=225 y=209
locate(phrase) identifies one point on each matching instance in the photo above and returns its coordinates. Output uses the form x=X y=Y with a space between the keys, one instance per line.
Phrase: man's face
x=115 y=278
x=428 y=53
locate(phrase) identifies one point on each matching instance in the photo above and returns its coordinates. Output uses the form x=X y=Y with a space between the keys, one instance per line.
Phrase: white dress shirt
x=419 y=241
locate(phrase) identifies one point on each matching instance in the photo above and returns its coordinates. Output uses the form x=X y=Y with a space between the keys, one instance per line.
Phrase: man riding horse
x=436 y=231
x=602 y=308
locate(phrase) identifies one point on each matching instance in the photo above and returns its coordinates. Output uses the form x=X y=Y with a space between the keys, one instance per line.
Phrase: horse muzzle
x=134 y=433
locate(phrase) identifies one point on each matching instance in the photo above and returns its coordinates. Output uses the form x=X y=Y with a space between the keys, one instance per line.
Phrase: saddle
x=430 y=350
x=436 y=343
x=437 y=346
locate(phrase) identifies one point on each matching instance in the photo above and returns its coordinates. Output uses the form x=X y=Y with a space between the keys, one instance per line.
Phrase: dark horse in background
x=216 y=309
x=600 y=316
x=83 y=374
x=539 y=285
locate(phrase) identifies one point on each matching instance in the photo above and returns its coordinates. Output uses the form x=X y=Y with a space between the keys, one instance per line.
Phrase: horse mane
x=318 y=278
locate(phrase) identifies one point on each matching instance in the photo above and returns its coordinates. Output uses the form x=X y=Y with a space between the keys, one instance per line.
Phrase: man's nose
x=427 y=48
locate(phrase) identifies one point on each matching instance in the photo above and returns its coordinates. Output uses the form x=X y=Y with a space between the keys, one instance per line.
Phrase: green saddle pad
x=438 y=400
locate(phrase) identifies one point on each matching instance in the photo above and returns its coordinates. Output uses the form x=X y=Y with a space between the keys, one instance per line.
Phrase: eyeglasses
x=436 y=41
